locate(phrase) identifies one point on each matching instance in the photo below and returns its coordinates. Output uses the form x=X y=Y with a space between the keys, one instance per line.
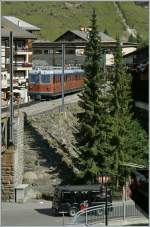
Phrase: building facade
x=22 y=50
x=50 y=53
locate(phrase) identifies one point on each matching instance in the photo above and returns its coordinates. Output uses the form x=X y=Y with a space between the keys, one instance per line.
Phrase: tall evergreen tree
x=106 y=32
x=128 y=139
x=94 y=122
x=139 y=38
x=132 y=39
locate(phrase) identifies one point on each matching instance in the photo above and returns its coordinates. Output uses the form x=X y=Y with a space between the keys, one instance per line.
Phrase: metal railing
x=96 y=214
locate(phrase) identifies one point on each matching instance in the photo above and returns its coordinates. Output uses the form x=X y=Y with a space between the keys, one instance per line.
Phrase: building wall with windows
x=22 y=48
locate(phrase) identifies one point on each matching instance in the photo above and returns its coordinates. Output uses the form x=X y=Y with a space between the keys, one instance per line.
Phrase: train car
x=47 y=83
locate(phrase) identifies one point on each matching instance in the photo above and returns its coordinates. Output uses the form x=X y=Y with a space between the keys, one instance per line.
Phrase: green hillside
x=137 y=17
x=56 y=17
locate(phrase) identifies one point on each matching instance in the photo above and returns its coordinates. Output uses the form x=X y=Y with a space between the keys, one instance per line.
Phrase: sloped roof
x=84 y=35
x=22 y=24
x=7 y=26
x=106 y=38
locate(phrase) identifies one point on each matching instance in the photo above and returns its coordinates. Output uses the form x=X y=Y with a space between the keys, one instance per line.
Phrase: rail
x=96 y=214
x=6 y=108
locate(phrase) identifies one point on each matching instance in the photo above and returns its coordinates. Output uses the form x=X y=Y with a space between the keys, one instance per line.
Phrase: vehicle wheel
x=38 y=97
x=54 y=212
x=73 y=211
x=99 y=212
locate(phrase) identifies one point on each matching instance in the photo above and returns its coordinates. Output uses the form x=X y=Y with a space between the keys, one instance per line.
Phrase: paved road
x=35 y=213
x=38 y=213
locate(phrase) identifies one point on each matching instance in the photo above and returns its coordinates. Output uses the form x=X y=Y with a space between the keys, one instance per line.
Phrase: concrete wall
x=13 y=162
x=19 y=156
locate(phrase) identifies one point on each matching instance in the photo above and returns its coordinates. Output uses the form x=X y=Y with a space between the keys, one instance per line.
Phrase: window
x=19 y=44
x=70 y=51
x=46 y=52
x=58 y=51
x=45 y=78
x=37 y=52
x=34 y=78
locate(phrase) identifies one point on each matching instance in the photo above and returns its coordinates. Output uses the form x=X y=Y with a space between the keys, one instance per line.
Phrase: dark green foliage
x=132 y=39
x=128 y=139
x=95 y=120
x=139 y=38
x=106 y=32
x=107 y=135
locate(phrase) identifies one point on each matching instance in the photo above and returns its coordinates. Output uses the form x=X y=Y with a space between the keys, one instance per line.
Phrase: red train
x=47 y=83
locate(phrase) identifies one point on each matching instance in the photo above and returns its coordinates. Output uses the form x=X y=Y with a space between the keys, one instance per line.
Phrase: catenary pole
x=62 y=78
x=11 y=90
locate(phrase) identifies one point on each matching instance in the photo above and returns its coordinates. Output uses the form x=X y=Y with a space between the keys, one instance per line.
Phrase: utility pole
x=104 y=63
x=11 y=90
x=62 y=78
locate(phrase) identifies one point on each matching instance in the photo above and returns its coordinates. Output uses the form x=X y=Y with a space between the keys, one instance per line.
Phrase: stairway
x=44 y=166
x=39 y=165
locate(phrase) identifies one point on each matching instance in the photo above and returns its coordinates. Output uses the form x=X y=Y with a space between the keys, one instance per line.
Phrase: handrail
x=115 y=211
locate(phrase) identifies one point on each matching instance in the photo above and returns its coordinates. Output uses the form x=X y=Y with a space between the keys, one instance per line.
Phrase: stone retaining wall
x=7 y=178
x=12 y=162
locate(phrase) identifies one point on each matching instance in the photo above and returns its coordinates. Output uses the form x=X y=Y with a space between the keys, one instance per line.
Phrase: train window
x=45 y=78
x=34 y=78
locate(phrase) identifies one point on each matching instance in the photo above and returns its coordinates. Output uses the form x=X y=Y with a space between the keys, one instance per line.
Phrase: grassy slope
x=137 y=17
x=56 y=17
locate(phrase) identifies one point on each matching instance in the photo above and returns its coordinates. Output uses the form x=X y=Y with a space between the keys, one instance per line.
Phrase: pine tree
x=139 y=38
x=132 y=39
x=94 y=124
x=106 y=32
x=128 y=139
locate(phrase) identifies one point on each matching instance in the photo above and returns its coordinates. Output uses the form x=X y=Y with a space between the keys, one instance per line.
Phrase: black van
x=72 y=198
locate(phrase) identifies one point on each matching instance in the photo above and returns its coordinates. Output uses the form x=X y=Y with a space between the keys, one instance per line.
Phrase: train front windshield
x=34 y=78
x=45 y=78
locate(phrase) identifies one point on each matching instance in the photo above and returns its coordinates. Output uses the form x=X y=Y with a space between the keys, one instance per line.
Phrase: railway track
x=6 y=108
x=36 y=107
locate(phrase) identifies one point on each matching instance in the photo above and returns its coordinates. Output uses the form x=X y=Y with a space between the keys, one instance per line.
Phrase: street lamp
x=103 y=179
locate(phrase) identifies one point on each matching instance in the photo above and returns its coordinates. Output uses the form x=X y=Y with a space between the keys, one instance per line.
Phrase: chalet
x=49 y=53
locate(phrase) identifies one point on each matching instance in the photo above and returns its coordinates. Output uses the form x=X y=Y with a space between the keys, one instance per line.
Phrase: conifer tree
x=106 y=32
x=94 y=122
x=128 y=139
